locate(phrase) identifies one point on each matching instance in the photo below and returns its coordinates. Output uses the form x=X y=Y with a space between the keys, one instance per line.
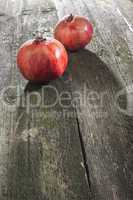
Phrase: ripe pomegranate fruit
x=75 y=32
x=41 y=60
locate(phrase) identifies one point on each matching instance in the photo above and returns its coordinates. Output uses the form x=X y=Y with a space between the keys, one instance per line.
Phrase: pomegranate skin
x=74 y=32
x=42 y=60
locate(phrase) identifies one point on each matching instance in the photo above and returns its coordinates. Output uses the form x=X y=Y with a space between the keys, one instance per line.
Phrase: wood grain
x=99 y=73
x=40 y=151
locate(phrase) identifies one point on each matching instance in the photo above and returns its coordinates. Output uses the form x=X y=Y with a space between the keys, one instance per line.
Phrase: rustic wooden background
x=44 y=154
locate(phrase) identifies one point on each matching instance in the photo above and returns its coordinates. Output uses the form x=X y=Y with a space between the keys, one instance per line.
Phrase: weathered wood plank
x=126 y=8
x=41 y=156
x=106 y=131
x=125 y=11
x=99 y=73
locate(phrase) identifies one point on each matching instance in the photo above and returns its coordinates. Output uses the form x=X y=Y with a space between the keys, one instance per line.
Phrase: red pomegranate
x=41 y=60
x=75 y=32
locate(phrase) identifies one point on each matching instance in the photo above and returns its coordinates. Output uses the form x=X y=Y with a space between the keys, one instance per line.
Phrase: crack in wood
x=84 y=156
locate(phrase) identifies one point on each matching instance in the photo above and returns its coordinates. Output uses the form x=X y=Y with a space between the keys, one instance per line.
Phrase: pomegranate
x=41 y=60
x=75 y=32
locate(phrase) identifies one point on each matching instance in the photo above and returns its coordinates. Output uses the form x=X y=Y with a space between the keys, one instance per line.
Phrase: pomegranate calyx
x=70 y=18
x=39 y=37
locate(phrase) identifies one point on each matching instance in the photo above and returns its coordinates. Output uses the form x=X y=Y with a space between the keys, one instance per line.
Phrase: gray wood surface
x=40 y=152
x=45 y=154
x=103 y=70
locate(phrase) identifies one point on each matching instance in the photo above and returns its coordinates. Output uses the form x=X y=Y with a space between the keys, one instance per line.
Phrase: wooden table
x=81 y=148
